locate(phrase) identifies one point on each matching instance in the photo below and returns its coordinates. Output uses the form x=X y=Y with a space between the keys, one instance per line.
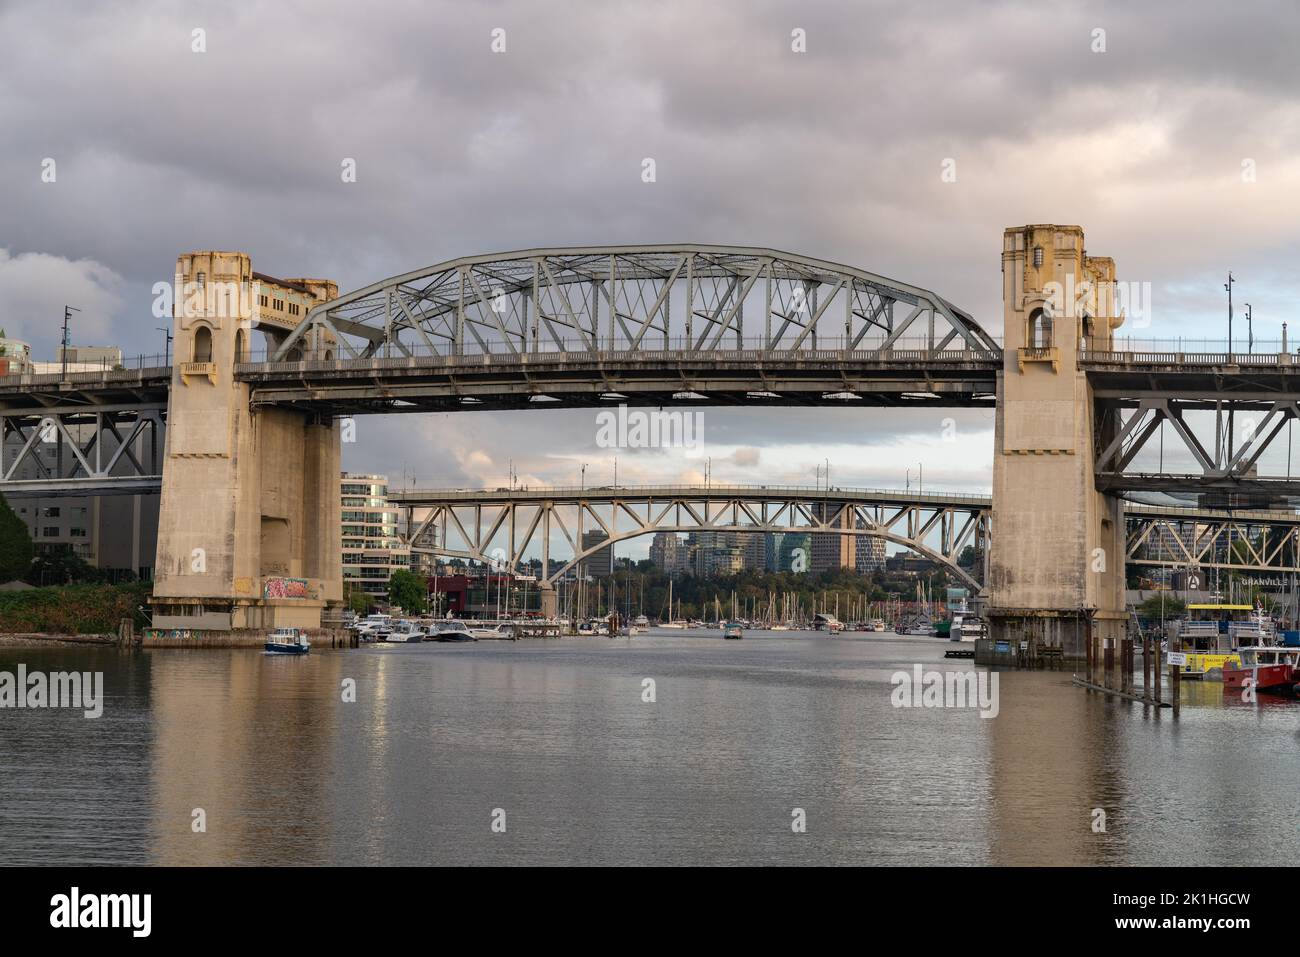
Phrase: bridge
x=504 y=527
x=250 y=432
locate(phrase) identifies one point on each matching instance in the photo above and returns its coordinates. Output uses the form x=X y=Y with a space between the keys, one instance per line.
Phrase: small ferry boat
x=732 y=630
x=1274 y=669
x=287 y=641
x=454 y=631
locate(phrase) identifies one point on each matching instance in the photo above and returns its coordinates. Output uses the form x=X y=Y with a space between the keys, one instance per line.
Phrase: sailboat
x=921 y=623
x=672 y=622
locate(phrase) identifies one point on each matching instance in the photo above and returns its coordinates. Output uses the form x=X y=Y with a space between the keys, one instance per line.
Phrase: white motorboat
x=454 y=631
x=404 y=632
x=502 y=629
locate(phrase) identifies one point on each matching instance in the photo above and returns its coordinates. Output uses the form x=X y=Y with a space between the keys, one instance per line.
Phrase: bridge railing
x=714 y=489
x=677 y=349
x=88 y=373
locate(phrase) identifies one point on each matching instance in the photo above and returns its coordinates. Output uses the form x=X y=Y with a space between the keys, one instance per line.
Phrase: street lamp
x=67 y=317
x=1228 y=286
x=1250 y=331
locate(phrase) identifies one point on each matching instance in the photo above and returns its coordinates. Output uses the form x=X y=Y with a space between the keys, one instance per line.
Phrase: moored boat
x=287 y=641
x=1274 y=669
x=732 y=630
x=454 y=631
x=403 y=632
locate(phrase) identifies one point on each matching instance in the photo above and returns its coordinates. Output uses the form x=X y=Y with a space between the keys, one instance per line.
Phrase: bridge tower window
x=240 y=347
x=1039 y=333
x=202 y=344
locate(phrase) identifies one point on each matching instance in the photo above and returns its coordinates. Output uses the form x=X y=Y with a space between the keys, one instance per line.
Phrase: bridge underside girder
x=73 y=450
x=1235 y=448
x=422 y=384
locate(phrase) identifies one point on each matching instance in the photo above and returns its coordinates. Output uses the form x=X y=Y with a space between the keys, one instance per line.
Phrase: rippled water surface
x=556 y=735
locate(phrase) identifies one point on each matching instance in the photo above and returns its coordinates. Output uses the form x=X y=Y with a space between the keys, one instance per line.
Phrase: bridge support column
x=1056 y=569
x=549 y=600
x=249 y=524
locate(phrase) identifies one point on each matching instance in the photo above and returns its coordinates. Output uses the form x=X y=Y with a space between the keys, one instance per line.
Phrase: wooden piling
x=1155 y=671
x=1146 y=668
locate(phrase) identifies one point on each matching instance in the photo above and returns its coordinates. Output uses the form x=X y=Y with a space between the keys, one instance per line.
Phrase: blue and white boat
x=287 y=641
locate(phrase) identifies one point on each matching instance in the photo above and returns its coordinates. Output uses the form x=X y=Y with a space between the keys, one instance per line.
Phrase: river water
x=553 y=740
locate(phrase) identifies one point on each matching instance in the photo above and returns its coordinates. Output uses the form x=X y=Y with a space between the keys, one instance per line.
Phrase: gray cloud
x=835 y=153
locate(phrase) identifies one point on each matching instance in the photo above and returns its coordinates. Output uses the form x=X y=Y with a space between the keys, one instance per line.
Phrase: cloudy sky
x=1175 y=147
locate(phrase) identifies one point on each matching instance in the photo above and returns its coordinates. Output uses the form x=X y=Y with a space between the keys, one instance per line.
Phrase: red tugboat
x=1275 y=669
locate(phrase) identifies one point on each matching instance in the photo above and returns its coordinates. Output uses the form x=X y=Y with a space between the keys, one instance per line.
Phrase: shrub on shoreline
x=73 y=609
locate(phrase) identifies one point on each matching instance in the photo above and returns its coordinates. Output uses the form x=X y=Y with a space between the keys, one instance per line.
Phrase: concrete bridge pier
x=550 y=606
x=249 y=525
x=1056 y=566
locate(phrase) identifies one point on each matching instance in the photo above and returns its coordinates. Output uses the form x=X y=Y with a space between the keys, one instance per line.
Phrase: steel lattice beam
x=66 y=450
x=628 y=298
x=501 y=528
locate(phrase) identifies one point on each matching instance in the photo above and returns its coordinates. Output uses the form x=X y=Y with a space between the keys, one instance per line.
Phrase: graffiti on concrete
x=284 y=588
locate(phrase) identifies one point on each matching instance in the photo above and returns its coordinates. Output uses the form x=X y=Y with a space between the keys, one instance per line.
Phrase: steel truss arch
x=627 y=298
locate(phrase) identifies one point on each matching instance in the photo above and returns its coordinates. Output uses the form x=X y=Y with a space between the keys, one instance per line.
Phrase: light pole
x=1250 y=331
x=583 y=485
x=67 y=317
x=167 y=344
x=1228 y=286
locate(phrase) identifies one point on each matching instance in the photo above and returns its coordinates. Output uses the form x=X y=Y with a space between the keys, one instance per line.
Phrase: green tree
x=1171 y=604
x=61 y=566
x=407 y=590
x=15 y=544
x=358 y=600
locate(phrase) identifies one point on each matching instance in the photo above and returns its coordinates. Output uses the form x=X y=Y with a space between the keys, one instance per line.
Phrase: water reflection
x=556 y=735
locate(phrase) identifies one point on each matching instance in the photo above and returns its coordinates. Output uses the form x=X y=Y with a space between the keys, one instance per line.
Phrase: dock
x=1115 y=692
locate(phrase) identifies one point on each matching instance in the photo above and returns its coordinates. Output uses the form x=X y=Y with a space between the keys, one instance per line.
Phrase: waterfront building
x=372 y=547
